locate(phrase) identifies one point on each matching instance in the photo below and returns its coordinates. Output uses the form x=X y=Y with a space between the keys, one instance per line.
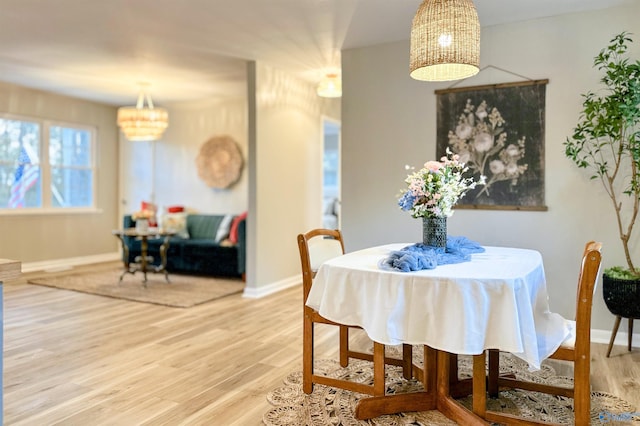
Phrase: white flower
x=481 y=112
x=464 y=156
x=496 y=167
x=512 y=169
x=463 y=131
x=512 y=151
x=483 y=142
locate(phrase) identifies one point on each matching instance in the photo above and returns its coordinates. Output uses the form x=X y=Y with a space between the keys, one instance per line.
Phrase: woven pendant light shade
x=445 y=41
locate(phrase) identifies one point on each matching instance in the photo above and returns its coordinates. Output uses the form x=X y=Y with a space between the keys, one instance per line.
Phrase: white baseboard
x=603 y=336
x=262 y=291
x=64 y=264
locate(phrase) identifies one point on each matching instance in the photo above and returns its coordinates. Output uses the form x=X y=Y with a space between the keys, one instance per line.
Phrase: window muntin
x=71 y=162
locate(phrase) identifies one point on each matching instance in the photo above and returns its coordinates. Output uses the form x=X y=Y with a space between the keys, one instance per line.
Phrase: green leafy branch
x=606 y=139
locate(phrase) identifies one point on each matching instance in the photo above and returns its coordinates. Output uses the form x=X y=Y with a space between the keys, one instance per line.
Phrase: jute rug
x=182 y=291
x=331 y=406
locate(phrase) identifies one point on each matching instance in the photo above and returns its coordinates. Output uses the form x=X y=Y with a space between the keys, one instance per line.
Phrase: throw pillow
x=146 y=205
x=233 y=232
x=223 y=228
x=176 y=222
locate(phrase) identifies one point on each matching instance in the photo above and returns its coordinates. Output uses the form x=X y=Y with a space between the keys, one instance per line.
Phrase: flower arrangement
x=433 y=190
x=143 y=214
x=481 y=141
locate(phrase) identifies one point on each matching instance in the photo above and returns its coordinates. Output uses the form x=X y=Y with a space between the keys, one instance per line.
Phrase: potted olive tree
x=606 y=141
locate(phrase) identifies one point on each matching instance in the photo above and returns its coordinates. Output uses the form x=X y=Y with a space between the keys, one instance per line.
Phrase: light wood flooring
x=77 y=359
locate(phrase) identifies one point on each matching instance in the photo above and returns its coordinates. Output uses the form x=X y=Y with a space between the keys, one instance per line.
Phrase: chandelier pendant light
x=330 y=86
x=143 y=123
x=445 y=41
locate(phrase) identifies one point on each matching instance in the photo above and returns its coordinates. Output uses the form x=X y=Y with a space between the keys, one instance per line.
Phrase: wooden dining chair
x=578 y=351
x=316 y=247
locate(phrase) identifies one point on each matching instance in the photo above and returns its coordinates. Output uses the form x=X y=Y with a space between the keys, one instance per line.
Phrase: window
x=45 y=165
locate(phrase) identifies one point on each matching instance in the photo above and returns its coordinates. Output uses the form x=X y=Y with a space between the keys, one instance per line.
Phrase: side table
x=143 y=263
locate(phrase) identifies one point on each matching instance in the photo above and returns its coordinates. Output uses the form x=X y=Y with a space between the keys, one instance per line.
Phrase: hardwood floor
x=77 y=359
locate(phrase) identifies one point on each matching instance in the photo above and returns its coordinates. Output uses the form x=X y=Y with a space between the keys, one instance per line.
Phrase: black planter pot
x=622 y=297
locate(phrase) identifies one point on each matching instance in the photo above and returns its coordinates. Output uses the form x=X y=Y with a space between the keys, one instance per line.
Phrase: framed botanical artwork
x=498 y=132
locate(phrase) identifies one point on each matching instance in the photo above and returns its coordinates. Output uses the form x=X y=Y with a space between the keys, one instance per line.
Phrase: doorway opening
x=331 y=174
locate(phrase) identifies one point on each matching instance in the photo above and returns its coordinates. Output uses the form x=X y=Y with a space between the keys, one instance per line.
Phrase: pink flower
x=433 y=166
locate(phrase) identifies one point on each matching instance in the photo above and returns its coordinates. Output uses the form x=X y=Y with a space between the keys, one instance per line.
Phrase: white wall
x=285 y=194
x=44 y=238
x=389 y=120
x=165 y=172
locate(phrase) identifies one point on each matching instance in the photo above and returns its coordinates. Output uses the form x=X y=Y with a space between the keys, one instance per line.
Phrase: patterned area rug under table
x=332 y=406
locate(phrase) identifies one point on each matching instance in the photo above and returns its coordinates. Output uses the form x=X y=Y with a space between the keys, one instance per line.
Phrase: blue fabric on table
x=419 y=256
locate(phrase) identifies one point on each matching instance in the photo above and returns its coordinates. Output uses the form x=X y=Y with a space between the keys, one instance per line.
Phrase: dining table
x=497 y=299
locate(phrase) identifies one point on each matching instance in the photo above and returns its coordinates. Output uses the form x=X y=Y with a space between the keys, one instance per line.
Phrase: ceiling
x=193 y=49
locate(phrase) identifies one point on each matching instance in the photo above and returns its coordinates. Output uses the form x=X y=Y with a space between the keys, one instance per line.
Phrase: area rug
x=182 y=291
x=331 y=406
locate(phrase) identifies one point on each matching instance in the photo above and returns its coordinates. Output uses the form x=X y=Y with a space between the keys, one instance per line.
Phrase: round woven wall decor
x=219 y=162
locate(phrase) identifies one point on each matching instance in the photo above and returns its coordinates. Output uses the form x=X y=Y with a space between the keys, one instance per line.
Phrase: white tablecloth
x=498 y=300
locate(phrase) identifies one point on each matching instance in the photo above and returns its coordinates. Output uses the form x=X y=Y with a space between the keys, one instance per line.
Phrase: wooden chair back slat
x=316 y=247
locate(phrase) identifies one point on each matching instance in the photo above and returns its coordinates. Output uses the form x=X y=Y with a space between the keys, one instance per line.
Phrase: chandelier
x=445 y=41
x=140 y=123
x=330 y=86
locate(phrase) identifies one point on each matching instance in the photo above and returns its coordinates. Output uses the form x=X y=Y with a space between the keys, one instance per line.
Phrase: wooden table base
x=438 y=394
x=143 y=263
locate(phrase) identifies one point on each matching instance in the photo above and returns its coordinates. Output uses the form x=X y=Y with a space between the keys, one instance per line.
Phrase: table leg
x=125 y=256
x=144 y=248
x=164 y=247
x=453 y=370
x=445 y=402
x=494 y=374
x=368 y=408
x=430 y=381
x=436 y=396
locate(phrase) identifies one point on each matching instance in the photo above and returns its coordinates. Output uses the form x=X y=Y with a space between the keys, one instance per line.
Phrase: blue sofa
x=199 y=253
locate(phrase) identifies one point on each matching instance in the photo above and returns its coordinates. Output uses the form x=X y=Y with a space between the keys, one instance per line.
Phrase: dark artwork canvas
x=498 y=132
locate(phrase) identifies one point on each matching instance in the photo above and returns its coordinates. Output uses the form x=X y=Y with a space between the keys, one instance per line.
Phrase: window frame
x=45 y=167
